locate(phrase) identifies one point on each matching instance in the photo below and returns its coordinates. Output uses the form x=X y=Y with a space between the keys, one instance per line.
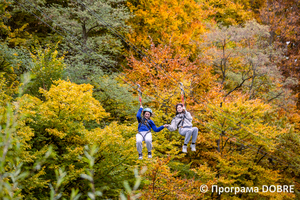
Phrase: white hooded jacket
x=181 y=120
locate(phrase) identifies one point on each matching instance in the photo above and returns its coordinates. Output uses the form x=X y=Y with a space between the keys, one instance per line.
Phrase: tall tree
x=60 y=120
x=246 y=61
x=253 y=5
x=226 y=12
x=284 y=22
x=178 y=23
x=91 y=35
x=161 y=75
x=46 y=68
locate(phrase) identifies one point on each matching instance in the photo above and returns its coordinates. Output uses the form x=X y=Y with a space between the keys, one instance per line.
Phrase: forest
x=72 y=73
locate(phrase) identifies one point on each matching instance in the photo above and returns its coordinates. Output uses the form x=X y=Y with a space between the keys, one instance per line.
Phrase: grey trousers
x=140 y=137
x=188 y=133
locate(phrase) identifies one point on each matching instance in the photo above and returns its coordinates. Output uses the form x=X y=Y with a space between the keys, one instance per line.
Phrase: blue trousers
x=188 y=133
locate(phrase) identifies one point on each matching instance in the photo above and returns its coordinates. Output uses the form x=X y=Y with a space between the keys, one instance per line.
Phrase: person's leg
x=194 y=134
x=194 y=138
x=139 y=144
x=148 y=140
x=187 y=133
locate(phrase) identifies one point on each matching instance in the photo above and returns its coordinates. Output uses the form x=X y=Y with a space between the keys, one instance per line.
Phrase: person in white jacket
x=183 y=121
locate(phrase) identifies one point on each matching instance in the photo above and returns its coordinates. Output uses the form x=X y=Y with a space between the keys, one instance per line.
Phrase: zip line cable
x=91 y=57
x=68 y=40
x=68 y=33
x=151 y=60
x=113 y=30
x=120 y=36
x=91 y=49
x=255 y=148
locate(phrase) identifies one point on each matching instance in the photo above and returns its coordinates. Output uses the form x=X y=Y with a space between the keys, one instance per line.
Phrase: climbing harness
x=145 y=122
x=181 y=122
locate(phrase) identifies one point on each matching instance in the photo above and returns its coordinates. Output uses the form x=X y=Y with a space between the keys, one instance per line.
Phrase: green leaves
x=132 y=193
x=85 y=21
x=47 y=67
x=55 y=193
x=74 y=138
x=89 y=153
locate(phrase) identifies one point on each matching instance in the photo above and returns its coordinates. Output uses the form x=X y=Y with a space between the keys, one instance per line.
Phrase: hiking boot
x=149 y=155
x=193 y=146
x=184 y=149
x=140 y=156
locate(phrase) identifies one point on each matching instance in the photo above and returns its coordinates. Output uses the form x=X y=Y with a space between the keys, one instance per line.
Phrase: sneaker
x=149 y=155
x=184 y=149
x=140 y=156
x=193 y=146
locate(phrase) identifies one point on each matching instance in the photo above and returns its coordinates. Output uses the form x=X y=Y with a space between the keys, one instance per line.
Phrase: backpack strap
x=145 y=122
x=181 y=121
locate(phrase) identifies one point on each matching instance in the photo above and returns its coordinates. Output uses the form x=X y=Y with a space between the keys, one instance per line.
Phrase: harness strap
x=144 y=135
x=187 y=127
x=145 y=122
x=182 y=121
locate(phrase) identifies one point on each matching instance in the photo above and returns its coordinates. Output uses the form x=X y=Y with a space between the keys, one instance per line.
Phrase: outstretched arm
x=155 y=129
x=173 y=126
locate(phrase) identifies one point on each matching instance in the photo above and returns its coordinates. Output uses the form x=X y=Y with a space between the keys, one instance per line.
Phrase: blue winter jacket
x=143 y=127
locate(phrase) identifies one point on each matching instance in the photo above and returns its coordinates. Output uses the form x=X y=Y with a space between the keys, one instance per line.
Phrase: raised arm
x=188 y=116
x=138 y=115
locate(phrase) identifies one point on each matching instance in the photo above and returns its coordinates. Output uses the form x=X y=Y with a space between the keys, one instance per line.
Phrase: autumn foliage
x=68 y=119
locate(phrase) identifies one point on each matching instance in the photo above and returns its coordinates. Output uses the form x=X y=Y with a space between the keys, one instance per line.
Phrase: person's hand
x=166 y=125
x=141 y=106
x=183 y=108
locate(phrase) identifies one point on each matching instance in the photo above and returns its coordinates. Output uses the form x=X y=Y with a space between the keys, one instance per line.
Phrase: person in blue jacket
x=144 y=131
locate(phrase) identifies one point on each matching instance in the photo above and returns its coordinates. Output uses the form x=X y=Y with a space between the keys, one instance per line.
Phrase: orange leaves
x=284 y=21
x=164 y=184
x=162 y=74
x=166 y=22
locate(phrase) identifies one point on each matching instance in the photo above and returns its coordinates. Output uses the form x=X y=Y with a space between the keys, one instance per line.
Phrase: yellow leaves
x=17 y=36
x=27 y=105
x=113 y=138
x=41 y=58
x=71 y=101
x=109 y=133
x=56 y=133
x=227 y=12
x=35 y=181
x=76 y=139
x=166 y=23
x=25 y=133
x=253 y=120
x=295 y=119
x=67 y=106
x=73 y=153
